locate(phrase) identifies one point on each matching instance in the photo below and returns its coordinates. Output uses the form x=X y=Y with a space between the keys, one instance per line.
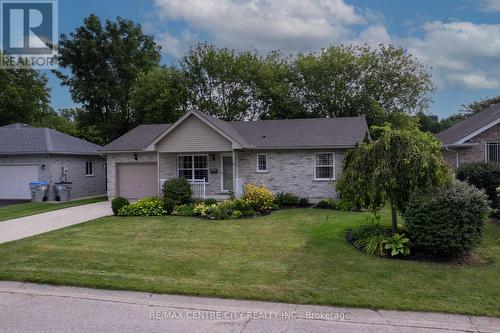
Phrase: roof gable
x=470 y=127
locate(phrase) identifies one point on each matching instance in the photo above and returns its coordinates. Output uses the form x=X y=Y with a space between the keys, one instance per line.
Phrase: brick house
x=300 y=156
x=476 y=139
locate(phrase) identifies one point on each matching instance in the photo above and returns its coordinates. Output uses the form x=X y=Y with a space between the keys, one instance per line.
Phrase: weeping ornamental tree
x=390 y=168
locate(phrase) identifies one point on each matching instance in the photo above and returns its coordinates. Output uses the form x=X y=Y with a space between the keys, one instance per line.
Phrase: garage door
x=137 y=181
x=14 y=180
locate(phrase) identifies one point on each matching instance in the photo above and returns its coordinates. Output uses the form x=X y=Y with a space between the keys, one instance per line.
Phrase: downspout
x=456 y=155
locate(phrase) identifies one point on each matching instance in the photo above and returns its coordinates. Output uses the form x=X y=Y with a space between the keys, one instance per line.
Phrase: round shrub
x=168 y=205
x=118 y=203
x=210 y=201
x=258 y=198
x=447 y=221
x=178 y=190
x=484 y=176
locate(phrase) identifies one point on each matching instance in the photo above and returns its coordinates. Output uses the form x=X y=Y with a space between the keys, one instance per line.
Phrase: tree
x=24 y=96
x=383 y=84
x=160 y=96
x=219 y=81
x=104 y=63
x=391 y=168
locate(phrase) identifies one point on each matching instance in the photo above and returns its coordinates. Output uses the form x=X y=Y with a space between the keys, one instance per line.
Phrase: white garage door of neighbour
x=14 y=180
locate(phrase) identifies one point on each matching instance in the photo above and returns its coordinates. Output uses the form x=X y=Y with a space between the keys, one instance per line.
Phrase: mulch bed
x=416 y=254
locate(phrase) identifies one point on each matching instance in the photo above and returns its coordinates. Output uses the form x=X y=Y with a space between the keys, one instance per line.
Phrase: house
x=301 y=156
x=41 y=154
x=476 y=139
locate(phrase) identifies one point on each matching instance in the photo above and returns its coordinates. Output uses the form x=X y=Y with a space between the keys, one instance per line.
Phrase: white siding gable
x=193 y=135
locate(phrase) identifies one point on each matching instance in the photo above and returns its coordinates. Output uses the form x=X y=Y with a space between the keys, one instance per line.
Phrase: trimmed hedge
x=144 y=207
x=447 y=221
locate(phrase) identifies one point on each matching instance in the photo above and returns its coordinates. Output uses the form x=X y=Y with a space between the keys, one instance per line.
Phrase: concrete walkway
x=36 y=224
x=26 y=307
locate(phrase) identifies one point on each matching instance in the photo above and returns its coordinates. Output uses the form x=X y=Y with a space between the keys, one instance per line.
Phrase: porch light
x=135 y=156
x=213 y=157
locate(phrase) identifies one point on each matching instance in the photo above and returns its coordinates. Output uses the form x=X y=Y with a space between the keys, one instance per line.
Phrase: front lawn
x=292 y=255
x=26 y=209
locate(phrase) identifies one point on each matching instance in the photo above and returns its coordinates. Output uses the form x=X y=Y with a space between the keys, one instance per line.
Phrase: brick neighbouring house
x=476 y=139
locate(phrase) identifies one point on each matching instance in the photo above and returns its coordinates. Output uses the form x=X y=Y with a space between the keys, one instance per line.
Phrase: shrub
x=447 y=221
x=287 y=199
x=327 y=203
x=304 y=202
x=144 y=207
x=258 y=198
x=398 y=244
x=210 y=201
x=118 y=203
x=168 y=205
x=249 y=212
x=236 y=204
x=484 y=176
x=178 y=190
x=236 y=215
x=372 y=245
x=184 y=210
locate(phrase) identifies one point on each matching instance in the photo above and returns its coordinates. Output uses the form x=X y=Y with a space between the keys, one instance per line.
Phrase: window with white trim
x=261 y=163
x=89 y=168
x=324 y=166
x=193 y=167
x=493 y=152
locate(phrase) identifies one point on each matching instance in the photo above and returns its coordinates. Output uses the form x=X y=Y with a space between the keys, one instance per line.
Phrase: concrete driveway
x=28 y=307
x=37 y=224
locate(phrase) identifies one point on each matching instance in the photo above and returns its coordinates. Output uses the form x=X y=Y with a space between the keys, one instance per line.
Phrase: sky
x=458 y=40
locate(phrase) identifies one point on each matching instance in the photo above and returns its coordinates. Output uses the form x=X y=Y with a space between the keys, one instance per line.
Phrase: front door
x=227 y=173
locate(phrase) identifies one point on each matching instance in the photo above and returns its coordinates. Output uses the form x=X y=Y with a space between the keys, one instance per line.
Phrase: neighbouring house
x=301 y=156
x=42 y=154
x=476 y=139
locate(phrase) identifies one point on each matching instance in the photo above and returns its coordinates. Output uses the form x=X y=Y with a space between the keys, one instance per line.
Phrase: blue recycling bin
x=38 y=191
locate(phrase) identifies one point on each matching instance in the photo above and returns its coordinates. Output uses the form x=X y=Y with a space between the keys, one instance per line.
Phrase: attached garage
x=14 y=180
x=136 y=181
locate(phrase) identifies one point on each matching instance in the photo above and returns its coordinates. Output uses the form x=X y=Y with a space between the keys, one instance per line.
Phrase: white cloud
x=491 y=5
x=460 y=52
x=290 y=25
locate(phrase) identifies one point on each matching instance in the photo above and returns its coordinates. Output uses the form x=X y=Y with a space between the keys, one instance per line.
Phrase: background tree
x=103 y=65
x=24 y=96
x=391 y=168
x=219 y=81
x=382 y=84
x=160 y=96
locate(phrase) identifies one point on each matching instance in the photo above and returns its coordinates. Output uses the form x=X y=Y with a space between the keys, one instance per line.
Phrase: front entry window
x=493 y=152
x=193 y=167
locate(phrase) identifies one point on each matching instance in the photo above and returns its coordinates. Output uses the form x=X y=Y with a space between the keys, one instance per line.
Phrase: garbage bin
x=38 y=191
x=63 y=191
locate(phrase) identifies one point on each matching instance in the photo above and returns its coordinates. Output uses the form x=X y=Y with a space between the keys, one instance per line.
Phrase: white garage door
x=136 y=181
x=14 y=180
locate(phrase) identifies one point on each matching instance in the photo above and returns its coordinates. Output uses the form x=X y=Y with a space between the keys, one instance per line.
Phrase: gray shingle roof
x=24 y=139
x=470 y=125
x=269 y=134
x=137 y=139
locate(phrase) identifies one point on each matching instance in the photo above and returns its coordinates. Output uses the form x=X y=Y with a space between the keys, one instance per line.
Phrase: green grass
x=26 y=209
x=293 y=255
